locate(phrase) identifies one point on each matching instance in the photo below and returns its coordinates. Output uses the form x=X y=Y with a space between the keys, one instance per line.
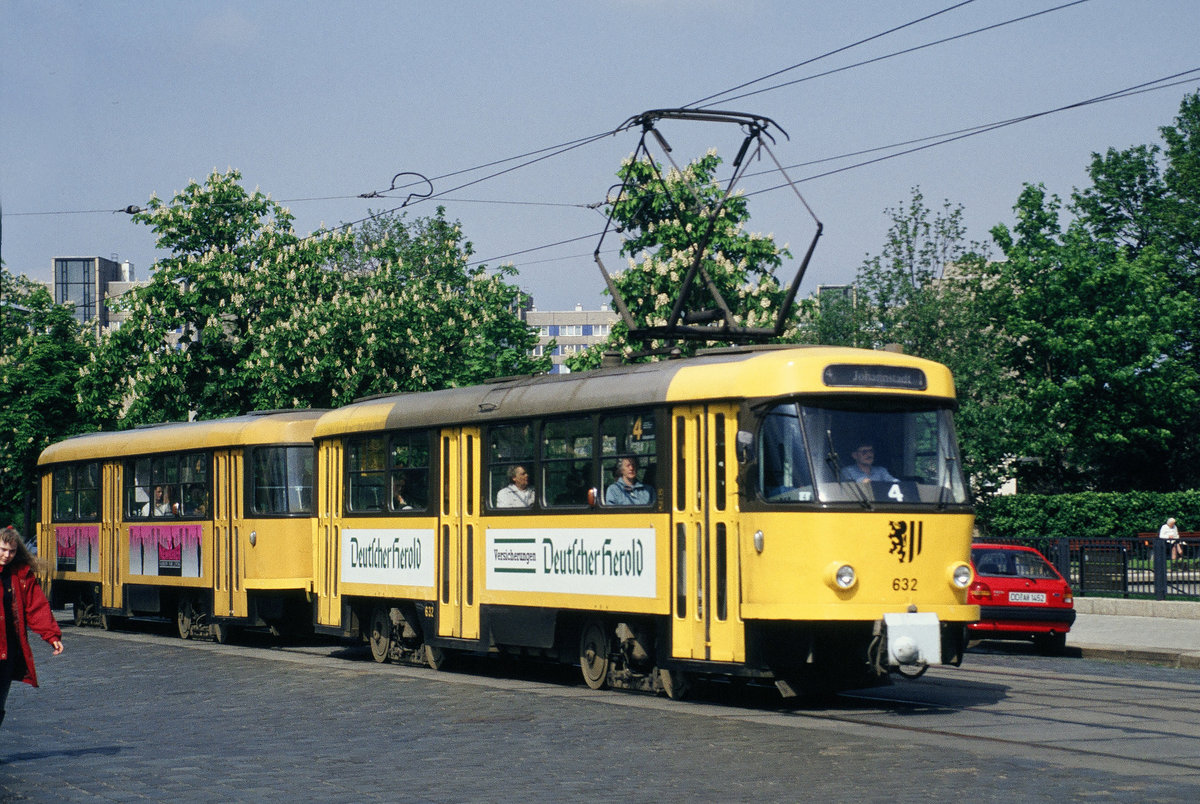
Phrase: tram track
x=955 y=709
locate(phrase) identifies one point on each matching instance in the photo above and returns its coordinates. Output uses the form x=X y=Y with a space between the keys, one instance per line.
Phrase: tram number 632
x=904 y=584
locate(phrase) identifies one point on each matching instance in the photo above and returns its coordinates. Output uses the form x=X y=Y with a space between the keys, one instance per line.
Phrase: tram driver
x=627 y=489
x=864 y=470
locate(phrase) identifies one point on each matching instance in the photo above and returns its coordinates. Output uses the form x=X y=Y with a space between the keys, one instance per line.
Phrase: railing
x=1128 y=567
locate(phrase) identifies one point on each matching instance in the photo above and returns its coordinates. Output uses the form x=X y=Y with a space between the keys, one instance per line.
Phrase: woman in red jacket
x=25 y=606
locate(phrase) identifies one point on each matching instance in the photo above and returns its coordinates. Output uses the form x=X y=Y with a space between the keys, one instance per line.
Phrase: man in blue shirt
x=628 y=490
x=864 y=470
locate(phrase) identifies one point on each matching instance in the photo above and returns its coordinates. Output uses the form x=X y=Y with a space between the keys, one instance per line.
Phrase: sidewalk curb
x=1168 y=658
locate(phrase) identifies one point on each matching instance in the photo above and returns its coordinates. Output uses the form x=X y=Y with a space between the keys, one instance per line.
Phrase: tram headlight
x=960 y=576
x=841 y=577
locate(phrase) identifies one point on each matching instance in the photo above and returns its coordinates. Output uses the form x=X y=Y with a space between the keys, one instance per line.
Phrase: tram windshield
x=859 y=451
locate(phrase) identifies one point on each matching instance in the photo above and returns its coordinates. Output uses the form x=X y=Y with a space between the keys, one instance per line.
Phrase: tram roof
x=268 y=427
x=740 y=373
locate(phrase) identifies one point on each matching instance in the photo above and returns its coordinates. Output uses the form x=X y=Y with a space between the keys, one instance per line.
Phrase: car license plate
x=1026 y=597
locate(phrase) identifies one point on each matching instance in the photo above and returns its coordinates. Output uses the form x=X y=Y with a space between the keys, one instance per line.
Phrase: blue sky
x=104 y=103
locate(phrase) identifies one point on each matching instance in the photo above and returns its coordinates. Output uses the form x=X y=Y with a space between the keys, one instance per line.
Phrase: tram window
x=409 y=471
x=567 y=450
x=366 y=474
x=784 y=472
x=623 y=438
x=282 y=479
x=722 y=458
x=511 y=452
x=138 y=488
x=901 y=453
x=76 y=492
x=168 y=486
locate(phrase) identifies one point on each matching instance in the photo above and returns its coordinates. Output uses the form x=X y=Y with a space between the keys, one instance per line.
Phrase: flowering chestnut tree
x=661 y=243
x=244 y=314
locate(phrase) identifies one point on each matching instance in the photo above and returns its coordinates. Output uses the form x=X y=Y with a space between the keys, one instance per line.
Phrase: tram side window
x=76 y=492
x=366 y=474
x=567 y=450
x=784 y=472
x=168 y=486
x=282 y=479
x=193 y=490
x=512 y=466
x=629 y=458
x=409 y=471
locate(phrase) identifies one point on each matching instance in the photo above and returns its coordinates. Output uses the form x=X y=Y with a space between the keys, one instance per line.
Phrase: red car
x=1020 y=596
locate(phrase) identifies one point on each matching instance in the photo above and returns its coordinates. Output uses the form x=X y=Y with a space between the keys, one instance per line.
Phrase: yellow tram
x=717 y=515
x=207 y=522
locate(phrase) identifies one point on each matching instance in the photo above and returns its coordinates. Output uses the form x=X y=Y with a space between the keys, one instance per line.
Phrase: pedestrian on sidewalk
x=25 y=606
x=1171 y=534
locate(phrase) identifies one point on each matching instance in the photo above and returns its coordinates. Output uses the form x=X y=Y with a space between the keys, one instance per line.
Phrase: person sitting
x=864 y=470
x=518 y=493
x=162 y=502
x=1170 y=534
x=627 y=489
x=399 y=503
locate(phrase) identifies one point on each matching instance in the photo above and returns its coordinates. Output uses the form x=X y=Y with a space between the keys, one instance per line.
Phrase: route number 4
x=895 y=493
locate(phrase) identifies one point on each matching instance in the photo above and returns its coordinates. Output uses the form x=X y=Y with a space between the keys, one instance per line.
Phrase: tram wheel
x=435 y=657
x=221 y=631
x=593 y=654
x=79 y=611
x=675 y=683
x=381 y=634
x=109 y=622
x=185 y=618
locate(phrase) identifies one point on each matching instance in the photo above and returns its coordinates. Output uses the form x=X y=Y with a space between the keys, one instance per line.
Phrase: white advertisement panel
x=615 y=562
x=394 y=556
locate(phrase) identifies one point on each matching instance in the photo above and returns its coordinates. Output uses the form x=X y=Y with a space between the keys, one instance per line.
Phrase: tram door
x=459 y=534
x=706 y=591
x=229 y=589
x=327 y=550
x=112 y=566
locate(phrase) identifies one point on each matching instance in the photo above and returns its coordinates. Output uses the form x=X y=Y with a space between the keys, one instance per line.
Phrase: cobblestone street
x=138 y=716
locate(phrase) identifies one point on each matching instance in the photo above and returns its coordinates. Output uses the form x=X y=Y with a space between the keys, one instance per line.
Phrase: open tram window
x=170 y=486
x=76 y=492
x=366 y=474
x=281 y=481
x=409 y=471
x=629 y=458
x=512 y=466
x=567 y=453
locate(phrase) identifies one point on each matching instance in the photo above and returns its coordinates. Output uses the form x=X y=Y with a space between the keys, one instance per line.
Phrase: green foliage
x=1101 y=322
x=1038 y=519
x=245 y=315
x=921 y=292
x=41 y=350
x=661 y=244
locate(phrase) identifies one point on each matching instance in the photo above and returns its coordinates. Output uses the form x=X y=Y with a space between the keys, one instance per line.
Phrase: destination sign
x=852 y=376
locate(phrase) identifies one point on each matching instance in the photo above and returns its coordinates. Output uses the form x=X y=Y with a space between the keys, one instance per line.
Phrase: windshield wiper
x=831 y=457
x=947 y=460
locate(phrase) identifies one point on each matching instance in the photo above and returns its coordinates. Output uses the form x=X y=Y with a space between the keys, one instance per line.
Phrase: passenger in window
x=398 y=501
x=518 y=493
x=627 y=489
x=864 y=470
x=162 y=502
x=197 y=502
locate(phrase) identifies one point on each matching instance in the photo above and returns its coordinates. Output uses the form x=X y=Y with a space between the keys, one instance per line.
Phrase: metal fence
x=1134 y=567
